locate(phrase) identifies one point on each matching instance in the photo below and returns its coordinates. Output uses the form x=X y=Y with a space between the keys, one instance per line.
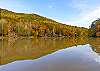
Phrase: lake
x=50 y=54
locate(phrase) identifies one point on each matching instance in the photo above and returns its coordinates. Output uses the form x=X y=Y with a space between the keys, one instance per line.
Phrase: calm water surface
x=50 y=54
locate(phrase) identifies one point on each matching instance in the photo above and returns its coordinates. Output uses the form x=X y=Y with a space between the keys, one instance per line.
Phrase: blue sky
x=72 y=12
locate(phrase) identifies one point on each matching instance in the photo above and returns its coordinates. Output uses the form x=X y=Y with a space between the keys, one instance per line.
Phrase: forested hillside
x=35 y=25
x=94 y=29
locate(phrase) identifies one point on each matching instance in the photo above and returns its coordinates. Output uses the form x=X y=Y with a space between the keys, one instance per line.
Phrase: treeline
x=35 y=25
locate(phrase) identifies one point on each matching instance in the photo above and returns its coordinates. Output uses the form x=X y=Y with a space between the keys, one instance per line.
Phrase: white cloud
x=91 y=15
x=87 y=18
x=87 y=12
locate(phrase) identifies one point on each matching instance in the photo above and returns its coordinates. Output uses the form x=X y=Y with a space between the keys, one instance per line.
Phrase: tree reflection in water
x=23 y=49
x=95 y=44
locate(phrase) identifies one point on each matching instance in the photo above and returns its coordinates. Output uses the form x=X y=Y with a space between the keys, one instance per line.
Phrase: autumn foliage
x=36 y=25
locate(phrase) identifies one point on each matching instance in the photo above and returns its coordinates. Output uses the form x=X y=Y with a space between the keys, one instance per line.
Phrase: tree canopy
x=94 y=29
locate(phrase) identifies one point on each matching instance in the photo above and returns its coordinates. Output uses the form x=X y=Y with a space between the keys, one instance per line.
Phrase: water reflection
x=74 y=53
x=23 y=49
x=95 y=44
x=80 y=58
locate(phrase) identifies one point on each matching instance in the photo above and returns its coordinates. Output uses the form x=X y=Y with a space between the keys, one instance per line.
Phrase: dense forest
x=22 y=24
x=94 y=29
